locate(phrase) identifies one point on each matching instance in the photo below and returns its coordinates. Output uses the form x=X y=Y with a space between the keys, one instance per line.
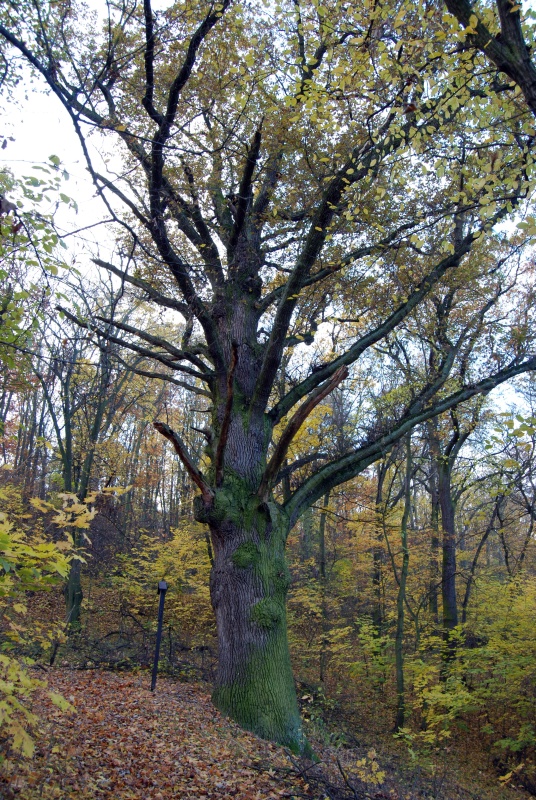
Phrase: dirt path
x=125 y=743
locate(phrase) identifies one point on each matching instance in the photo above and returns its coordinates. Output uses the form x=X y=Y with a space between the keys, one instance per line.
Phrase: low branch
x=161 y=376
x=142 y=351
x=182 y=452
x=293 y=427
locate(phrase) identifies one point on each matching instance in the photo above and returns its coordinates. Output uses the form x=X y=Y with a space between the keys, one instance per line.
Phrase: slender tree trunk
x=448 y=572
x=401 y=598
x=504 y=544
x=74 y=595
x=323 y=589
x=4 y=412
x=306 y=539
x=73 y=590
x=434 y=542
x=378 y=553
x=472 y=570
x=527 y=541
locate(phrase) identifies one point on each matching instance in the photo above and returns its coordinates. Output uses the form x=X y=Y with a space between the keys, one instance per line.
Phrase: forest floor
x=123 y=742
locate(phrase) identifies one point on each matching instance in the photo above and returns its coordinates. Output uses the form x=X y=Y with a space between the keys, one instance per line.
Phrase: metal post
x=162 y=589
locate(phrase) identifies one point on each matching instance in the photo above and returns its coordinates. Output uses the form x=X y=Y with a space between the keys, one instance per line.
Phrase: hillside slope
x=124 y=743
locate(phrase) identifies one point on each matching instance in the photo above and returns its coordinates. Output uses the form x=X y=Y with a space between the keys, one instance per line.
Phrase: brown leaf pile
x=126 y=743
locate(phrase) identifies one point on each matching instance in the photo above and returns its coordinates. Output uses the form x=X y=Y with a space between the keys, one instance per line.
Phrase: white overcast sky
x=40 y=128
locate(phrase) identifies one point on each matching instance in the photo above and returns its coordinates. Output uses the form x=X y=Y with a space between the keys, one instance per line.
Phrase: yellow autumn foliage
x=29 y=562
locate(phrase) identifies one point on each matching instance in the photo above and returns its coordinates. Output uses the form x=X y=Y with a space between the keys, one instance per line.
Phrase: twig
x=345 y=778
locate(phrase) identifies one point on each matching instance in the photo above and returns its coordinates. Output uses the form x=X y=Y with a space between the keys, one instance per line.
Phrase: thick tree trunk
x=249 y=584
x=249 y=581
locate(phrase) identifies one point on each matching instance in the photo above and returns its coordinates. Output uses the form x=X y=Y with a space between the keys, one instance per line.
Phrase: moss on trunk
x=262 y=698
x=249 y=583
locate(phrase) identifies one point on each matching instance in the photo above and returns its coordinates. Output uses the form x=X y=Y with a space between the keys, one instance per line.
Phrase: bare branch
x=156 y=340
x=182 y=451
x=124 y=199
x=160 y=299
x=142 y=351
x=161 y=376
x=349 y=258
x=298 y=464
x=378 y=333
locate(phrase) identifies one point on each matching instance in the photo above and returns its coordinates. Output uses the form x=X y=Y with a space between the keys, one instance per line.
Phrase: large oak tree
x=284 y=167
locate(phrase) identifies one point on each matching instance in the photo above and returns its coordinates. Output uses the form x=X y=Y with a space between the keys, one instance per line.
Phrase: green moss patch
x=267 y=613
x=246 y=555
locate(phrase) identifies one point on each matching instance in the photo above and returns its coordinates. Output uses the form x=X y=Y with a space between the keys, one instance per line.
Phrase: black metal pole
x=162 y=589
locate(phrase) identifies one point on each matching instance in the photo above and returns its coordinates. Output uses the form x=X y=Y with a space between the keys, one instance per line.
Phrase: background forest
x=407 y=477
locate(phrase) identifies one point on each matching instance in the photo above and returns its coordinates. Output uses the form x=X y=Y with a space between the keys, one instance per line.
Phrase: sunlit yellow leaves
x=471 y=28
x=71 y=514
x=60 y=701
x=528 y=225
x=28 y=562
x=185 y=564
x=368 y=769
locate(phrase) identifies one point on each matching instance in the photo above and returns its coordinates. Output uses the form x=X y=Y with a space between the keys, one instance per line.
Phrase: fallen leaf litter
x=126 y=743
